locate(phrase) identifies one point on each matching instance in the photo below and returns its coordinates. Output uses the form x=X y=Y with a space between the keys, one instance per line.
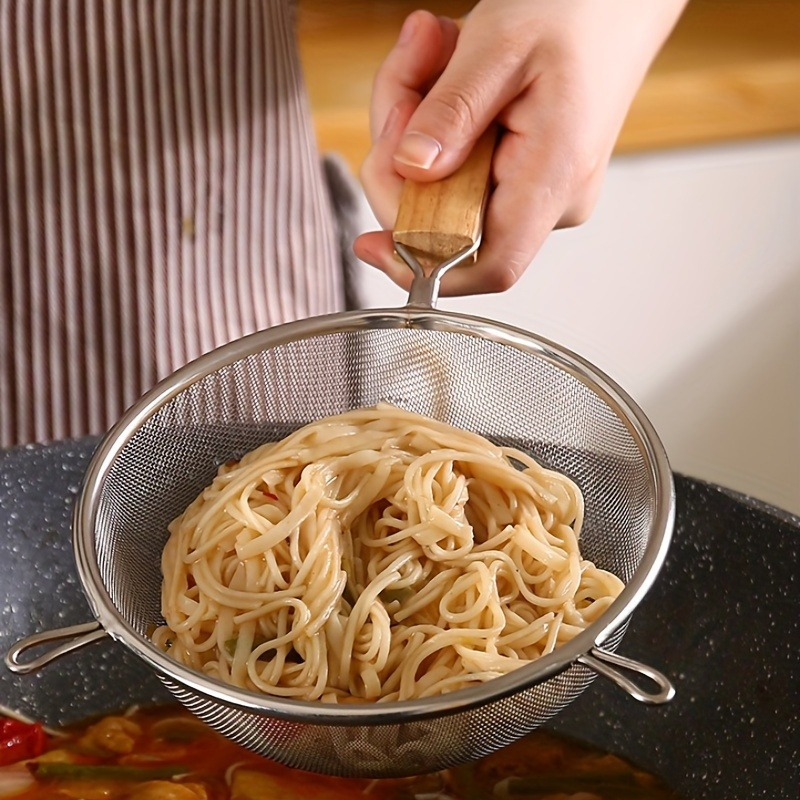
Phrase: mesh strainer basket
x=511 y=386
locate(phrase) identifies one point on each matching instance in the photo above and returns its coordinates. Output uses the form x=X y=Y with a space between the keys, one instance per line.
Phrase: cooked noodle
x=377 y=555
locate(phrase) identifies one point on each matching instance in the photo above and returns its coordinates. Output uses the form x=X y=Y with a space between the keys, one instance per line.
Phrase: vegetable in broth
x=167 y=754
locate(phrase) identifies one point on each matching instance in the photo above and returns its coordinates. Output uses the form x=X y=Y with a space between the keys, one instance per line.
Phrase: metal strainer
x=509 y=385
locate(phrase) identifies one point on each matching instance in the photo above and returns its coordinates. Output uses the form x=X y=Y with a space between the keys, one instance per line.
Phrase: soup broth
x=167 y=754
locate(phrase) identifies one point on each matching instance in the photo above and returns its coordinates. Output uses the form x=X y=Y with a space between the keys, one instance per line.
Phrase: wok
x=723 y=619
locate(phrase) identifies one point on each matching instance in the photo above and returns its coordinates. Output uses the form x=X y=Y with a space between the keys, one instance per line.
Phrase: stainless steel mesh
x=507 y=386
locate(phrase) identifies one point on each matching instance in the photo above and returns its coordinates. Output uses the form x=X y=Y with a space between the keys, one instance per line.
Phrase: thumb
x=477 y=83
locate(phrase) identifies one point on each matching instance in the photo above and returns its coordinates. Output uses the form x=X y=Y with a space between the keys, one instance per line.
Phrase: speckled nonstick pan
x=722 y=619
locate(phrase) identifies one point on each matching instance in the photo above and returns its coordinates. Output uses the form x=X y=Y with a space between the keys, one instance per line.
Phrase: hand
x=558 y=76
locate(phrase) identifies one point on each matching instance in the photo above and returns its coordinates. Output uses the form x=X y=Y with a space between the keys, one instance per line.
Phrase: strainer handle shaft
x=425 y=287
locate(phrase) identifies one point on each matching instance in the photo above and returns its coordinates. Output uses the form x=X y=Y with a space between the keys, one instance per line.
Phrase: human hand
x=558 y=77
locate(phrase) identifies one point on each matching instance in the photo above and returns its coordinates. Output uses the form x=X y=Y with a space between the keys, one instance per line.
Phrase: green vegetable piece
x=110 y=772
x=400 y=595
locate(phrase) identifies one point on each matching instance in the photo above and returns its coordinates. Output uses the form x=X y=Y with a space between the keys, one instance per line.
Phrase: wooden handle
x=438 y=219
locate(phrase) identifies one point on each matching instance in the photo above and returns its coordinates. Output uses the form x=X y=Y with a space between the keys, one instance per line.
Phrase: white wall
x=685 y=288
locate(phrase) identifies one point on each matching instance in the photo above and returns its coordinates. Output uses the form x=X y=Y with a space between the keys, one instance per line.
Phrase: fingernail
x=407 y=31
x=418 y=150
x=389 y=123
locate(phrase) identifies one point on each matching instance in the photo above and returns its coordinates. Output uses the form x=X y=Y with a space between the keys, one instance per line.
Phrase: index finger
x=424 y=46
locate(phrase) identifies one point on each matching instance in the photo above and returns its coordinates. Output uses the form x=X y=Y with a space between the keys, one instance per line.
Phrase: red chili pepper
x=20 y=741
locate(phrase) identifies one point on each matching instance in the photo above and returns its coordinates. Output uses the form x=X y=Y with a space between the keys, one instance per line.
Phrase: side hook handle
x=77 y=636
x=609 y=665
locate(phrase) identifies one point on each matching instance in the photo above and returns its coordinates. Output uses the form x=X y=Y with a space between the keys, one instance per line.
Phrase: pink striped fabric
x=159 y=195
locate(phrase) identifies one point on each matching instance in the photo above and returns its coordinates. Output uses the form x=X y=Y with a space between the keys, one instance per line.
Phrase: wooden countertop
x=730 y=70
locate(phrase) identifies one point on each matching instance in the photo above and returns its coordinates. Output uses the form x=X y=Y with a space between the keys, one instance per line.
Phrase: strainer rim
x=541 y=669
